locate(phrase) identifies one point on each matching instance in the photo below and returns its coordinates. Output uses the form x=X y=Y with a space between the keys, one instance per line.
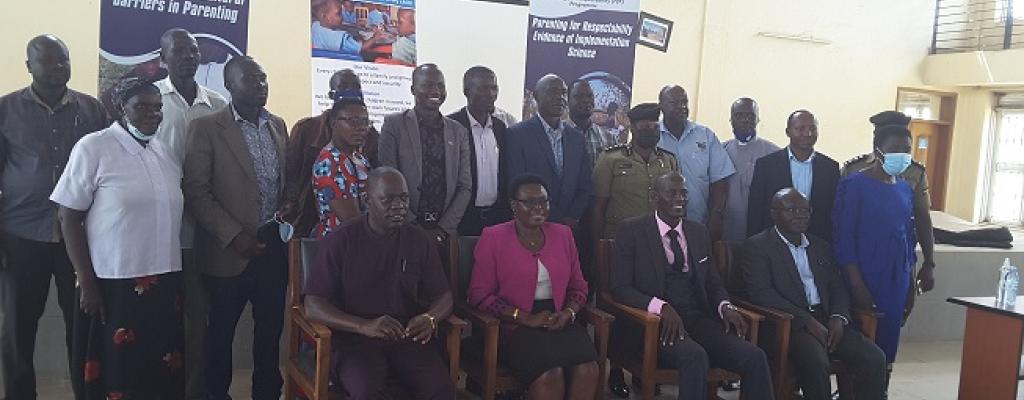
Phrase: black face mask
x=647 y=139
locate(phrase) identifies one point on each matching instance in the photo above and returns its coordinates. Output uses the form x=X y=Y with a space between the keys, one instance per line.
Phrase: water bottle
x=1009 y=278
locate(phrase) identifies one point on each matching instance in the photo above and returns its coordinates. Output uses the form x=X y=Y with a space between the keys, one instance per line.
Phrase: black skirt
x=530 y=352
x=137 y=352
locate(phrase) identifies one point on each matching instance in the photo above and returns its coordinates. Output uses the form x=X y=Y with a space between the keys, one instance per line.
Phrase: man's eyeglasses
x=795 y=210
x=354 y=121
x=534 y=203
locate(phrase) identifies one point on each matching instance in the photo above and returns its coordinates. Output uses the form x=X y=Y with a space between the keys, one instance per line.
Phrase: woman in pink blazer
x=527 y=273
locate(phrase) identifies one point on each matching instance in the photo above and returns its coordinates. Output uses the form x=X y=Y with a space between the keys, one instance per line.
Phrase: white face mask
x=136 y=133
x=286 y=231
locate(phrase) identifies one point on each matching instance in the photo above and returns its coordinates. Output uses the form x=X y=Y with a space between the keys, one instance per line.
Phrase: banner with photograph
x=591 y=40
x=130 y=32
x=376 y=39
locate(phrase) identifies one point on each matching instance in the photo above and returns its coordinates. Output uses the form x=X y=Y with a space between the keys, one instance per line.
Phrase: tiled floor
x=925 y=371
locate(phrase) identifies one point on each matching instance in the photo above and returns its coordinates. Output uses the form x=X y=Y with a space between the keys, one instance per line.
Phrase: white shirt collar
x=803 y=240
x=473 y=122
x=167 y=87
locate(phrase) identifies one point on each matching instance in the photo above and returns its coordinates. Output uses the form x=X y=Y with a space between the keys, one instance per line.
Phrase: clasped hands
x=672 y=328
x=420 y=328
x=547 y=320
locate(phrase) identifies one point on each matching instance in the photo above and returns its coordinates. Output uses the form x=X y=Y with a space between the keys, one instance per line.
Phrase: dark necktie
x=677 y=250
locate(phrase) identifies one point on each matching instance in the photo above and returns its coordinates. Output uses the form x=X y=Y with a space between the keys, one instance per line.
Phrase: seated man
x=370 y=284
x=791 y=271
x=663 y=264
x=327 y=33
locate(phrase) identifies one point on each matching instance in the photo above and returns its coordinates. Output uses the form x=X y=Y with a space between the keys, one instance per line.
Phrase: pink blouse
x=505 y=274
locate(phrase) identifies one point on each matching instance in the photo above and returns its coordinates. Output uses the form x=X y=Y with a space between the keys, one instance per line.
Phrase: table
x=990 y=365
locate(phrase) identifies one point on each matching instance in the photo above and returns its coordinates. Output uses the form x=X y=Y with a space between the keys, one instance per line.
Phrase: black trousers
x=812 y=362
x=24 y=287
x=263 y=284
x=707 y=346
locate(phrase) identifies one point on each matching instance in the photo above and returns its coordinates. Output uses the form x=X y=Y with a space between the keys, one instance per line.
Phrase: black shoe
x=730 y=386
x=636 y=383
x=617 y=384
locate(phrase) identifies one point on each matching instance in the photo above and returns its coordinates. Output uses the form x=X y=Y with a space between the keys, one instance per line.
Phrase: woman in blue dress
x=874 y=235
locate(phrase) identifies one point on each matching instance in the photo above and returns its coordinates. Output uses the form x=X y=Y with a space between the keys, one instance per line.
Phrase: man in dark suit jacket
x=488 y=202
x=234 y=182
x=545 y=146
x=798 y=166
x=792 y=272
x=663 y=264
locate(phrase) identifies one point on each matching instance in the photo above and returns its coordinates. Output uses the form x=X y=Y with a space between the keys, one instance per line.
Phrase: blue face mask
x=895 y=164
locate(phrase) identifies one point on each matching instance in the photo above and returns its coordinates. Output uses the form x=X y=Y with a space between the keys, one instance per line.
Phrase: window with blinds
x=1006 y=182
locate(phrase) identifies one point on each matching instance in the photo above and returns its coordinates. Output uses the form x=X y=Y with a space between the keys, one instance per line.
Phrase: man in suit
x=432 y=151
x=233 y=186
x=488 y=202
x=663 y=264
x=813 y=174
x=791 y=271
x=545 y=146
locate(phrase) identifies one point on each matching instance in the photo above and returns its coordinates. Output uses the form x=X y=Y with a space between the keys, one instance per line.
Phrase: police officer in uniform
x=918 y=180
x=623 y=181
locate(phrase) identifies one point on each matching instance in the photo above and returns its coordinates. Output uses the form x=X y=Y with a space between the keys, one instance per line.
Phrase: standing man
x=488 y=202
x=38 y=127
x=624 y=175
x=794 y=272
x=308 y=137
x=702 y=160
x=813 y=174
x=663 y=264
x=432 y=152
x=545 y=146
x=744 y=150
x=581 y=108
x=184 y=100
x=233 y=185
x=917 y=178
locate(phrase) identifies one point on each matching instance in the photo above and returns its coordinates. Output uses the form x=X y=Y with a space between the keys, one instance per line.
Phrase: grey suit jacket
x=220 y=188
x=400 y=147
x=773 y=280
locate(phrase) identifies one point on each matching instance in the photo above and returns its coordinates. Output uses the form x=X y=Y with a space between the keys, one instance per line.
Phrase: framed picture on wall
x=654 y=31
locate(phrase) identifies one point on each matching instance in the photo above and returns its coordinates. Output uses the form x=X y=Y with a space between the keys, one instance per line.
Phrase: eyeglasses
x=354 y=121
x=534 y=203
x=795 y=210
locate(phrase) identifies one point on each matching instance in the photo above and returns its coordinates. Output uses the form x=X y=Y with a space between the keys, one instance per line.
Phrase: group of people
x=103 y=202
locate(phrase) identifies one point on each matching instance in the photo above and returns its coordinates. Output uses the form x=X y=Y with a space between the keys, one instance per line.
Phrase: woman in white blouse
x=120 y=211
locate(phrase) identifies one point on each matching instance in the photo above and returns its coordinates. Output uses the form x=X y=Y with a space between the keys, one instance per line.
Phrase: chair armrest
x=634 y=314
x=316 y=330
x=594 y=316
x=767 y=312
x=454 y=322
x=753 y=324
x=478 y=318
x=868 y=320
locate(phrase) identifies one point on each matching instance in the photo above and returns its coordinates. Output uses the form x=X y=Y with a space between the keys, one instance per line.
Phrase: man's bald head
x=791 y=212
x=551 y=95
x=667 y=180
x=423 y=71
x=45 y=42
x=179 y=51
x=171 y=35
x=387 y=199
x=382 y=176
x=670 y=198
x=675 y=105
x=48 y=62
x=428 y=87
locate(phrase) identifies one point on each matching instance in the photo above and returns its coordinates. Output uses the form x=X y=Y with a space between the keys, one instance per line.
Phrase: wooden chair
x=778 y=328
x=486 y=371
x=308 y=347
x=646 y=368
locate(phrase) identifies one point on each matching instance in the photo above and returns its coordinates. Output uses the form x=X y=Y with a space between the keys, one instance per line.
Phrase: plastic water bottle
x=1009 y=278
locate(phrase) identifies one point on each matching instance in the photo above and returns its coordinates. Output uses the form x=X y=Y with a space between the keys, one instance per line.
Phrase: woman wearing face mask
x=874 y=234
x=120 y=211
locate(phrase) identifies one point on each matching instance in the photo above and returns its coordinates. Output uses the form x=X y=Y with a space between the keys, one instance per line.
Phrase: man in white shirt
x=489 y=202
x=183 y=101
